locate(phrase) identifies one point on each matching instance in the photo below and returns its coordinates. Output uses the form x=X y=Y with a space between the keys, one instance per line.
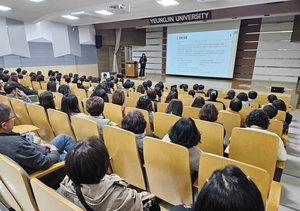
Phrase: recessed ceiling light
x=3 y=8
x=167 y=2
x=104 y=12
x=36 y=1
x=70 y=17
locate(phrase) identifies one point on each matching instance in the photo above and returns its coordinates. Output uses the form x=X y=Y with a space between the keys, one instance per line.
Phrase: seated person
x=198 y=102
x=244 y=98
x=271 y=112
x=118 y=98
x=230 y=94
x=234 y=107
x=175 y=107
x=271 y=98
x=201 y=89
x=252 y=95
x=145 y=103
x=280 y=105
x=141 y=89
x=12 y=91
x=52 y=86
x=95 y=107
x=87 y=184
x=171 y=95
x=25 y=89
x=192 y=93
x=185 y=133
x=213 y=95
x=69 y=105
x=30 y=156
x=47 y=100
x=63 y=89
x=227 y=189
x=151 y=93
x=2 y=92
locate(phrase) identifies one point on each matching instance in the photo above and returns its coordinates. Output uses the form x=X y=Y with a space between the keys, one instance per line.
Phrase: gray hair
x=4 y=112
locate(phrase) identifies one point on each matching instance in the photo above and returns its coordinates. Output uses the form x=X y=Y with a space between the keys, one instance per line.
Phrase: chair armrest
x=274 y=196
x=280 y=164
x=24 y=128
x=51 y=169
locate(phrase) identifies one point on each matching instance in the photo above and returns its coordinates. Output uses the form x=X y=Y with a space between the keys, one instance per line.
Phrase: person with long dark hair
x=143 y=61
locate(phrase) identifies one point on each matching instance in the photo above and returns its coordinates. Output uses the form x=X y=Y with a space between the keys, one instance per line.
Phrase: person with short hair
x=252 y=95
x=12 y=91
x=192 y=93
x=141 y=89
x=30 y=156
x=95 y=107
x=118 y=98
x=244 y=98
x=151 y=93
x=52 y=86
x=234 y=107
x=271 y=98
x=213 y=95
x=280 y=105
x=230 y=94
x=143 y=62
x=227 y=189
x=201 y=89
x=175 y=107
x=63 y=89
x=198 y=102
x=270 y=110
x=208 y=113
x=185 y=133
x=144 y=103
x=170 y=96
x=25 y=89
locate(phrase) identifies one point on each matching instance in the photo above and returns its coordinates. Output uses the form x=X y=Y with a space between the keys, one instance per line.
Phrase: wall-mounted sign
x=185 y=17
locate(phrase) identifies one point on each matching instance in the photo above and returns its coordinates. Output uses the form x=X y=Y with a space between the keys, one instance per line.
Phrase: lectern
x=131 y=68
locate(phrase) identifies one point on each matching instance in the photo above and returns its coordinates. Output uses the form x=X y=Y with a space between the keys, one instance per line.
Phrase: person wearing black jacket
x=143 y=61
x=25 y=89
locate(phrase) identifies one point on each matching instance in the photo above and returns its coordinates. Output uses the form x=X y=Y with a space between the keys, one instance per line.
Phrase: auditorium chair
x=109 y=98
x=254 y=105
x=84 y=128
x=5 y=100
x=43 y=85
x=89 y=93
x=28 y=83
x=124 y=156
x=219 y=106
x=40 y=91
x=212 y=135
x=84 y=105
x=80 y=93
x=245 y=110
x=146 y=116
x=162 y=107
x=229 y=121
x=191 y=112
x=129 y=102
x=225 y=101
x=113 y=112
x=36 y=85
x=80 y=104
x=280 y=115
x=21 y=112
x=168 y=171
x=7 y=199
x=86 y=84
x=72 y=87
x=185 y=95
x=57 y=99
x=163 y=122
x=276 y=126
x=135 y=95
x=187 y=101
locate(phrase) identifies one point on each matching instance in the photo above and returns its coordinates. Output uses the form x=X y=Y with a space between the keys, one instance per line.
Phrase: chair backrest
x=187 y=101
x=72 y=87
x=28 y=83
x=113 y=112
x=254 y=105
x=39 y=118
x=40 y=91
x=219 y=106
x=84 y=105
x=36 y=85
x=185 y=95
x=280 y=115
x=44 y=85
x=255 y=148
x=276 y=126
x=211 y=137
x=84 y=128
x=80 y=104
x=229 y=121
x=125 y=160
x=146 y=116
x=89 y=93
x=14 y=178
x=225 y=101
x=86 y=84
x=129 y=102
x=80 y=93
x=5 y=100
x=47 y=199
x=58 y=99
x=161 y=107
x=135 y=95
x=21 y=112
x=163 y=122
x=245 y=110
x=209 y=163
x=60 y=123
x=7 y=198
x=109 y=98
x=163 y=98
x=191 y=112
x=168 y=171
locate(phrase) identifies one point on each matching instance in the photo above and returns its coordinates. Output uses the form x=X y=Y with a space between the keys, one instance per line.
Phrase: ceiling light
x=167 y=2
x=3 y=8
x=70 y=17
x=104 y=12
x=36 y=1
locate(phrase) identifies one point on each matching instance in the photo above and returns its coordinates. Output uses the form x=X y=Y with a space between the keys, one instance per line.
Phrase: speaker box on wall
x=98 y=39
x=277 y=89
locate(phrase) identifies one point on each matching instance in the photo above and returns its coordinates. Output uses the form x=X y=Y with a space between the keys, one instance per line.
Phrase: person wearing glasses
x=29 y=155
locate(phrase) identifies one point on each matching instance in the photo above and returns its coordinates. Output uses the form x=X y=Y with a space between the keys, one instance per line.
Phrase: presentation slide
x=206 y=53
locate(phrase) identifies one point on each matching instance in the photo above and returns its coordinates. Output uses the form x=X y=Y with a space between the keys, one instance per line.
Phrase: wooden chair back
x=7 y=198
x=40 y=91
x=28 y=83
x=36 y=85
x=86 y=84
x=276 y=126
x=43 y=85
x=84 y=128
x=60 y=123
x=211 y=137
x=84 y=105
x=184 y=96
x=163 y=98
x=209 y=163
x=80 y=93
x=191 y=112
x=219 y=106
x=129 y=102
x=187 y=101
x=57 y=99
x=255 y=148
x=225 y=101
x=39 y=118
x=168 y=171
x=161 y=107
x=17 y=182
x=89 y=93
x=80 y=106
x=246 y=110
x=21 y=112
x=113 y=112
x=163 y=122
x=109 y=98
x=46 y=196
x=280 y=115
x=145 y=114
x=135 y=95
x=229 y=121
x=5 y=100
x=254 y=105
x=72 y=87
x=124 y=156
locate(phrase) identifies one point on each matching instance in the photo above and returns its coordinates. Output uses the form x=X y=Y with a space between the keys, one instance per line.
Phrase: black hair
x=171 y=95
x=242 y=96
x=141 y=89
x=134 y=122
x=185 y=87
x=68 y=79
x=198 y=102
x=229 y=189
x=259 y=118
x=279 y=104
x=100 y=93
x=4 y=112
x=149 y=83
x=230 y=94
x=63 y=89
x=144 y=103
x=87 y=162
x=50 y=73
x=192 y=93
x=69 y=104
x=235 y=104
x=271 y=98
x=18 y=70
x=175 y=107
x=10 y=86
x=47 y=100
x=151 y=93
x=40 y=78
x=213 y=95
x=201 y=87
x=208 y=92
x=270 y=110
x=252 y=95
x=51 y=86
x=52 y=78
x=195 y=87
x=185 y=133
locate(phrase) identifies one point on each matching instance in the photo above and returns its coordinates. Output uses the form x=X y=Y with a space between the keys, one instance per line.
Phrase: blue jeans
x=63 y=143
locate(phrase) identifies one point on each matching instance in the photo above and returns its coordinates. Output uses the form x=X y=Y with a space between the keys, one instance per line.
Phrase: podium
x=131 y=68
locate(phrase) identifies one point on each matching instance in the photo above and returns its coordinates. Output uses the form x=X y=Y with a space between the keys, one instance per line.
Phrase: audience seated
x=271 y=98
x=234 y=107
x=213 y=95
x=69 y=105
x=63 y=89
x=175 y=107
x=280 y=105
x=25 y=89
x=52 y=86
x=100 y=93
x=244 y=98
x=144 y=103
x=208 y=113
x=140 y=89
x=230 y=94
x=118 y=97
x=30 y=156
x=252 y=95
x=12 y=91
x=198 y=102
x=171 y=95
x=2 y=92
x=47 y=100
x=151 y=93
x=192 y=93
x=227 y=189
x=185 y=133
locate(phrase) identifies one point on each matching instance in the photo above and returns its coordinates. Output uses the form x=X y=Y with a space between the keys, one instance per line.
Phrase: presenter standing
x=143 y=61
